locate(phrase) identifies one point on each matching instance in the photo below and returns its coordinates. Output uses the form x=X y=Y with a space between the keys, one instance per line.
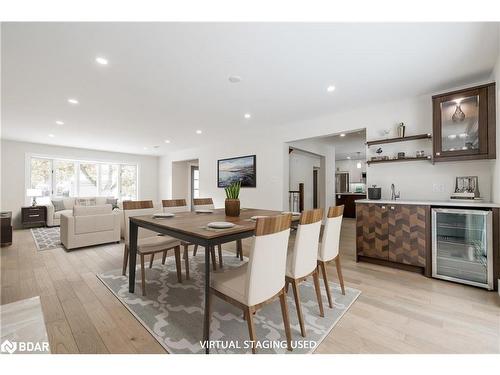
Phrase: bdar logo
x=8 y=347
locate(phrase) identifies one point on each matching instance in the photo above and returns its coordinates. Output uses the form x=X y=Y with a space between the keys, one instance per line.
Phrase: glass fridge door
x=462 y=246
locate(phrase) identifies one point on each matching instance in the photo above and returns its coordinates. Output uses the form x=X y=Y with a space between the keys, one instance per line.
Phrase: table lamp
x=33 y=193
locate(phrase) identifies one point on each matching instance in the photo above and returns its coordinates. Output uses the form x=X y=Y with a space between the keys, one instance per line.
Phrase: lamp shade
x=33 y=193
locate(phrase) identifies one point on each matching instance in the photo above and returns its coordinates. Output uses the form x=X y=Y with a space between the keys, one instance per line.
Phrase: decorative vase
x=232 y=207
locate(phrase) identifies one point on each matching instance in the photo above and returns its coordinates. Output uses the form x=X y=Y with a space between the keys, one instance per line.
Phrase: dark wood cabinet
x=397 y=235
x=464 y=125
x=33 y=215
x=348 y=201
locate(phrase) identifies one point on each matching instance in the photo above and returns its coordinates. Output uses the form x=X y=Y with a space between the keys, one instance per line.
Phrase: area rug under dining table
x=173 y=312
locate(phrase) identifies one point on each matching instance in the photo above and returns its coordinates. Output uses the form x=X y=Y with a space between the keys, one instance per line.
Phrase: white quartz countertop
x=351 y=193
x=454 y=202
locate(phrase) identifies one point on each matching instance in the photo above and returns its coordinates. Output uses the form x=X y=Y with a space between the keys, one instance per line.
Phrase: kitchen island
x=399 y=233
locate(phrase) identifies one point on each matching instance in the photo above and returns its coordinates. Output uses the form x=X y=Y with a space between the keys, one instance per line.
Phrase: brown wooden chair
x=208 y=204
x=262 y=279
x=329 y=247
x=302 y=259
x=148 y=242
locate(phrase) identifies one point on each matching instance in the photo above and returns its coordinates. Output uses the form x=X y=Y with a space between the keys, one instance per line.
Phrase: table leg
x=206 y=322
x=132 y=254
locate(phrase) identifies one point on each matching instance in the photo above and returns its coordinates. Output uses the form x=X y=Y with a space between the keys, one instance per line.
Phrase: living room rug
x=46 y=238
x=173 y=312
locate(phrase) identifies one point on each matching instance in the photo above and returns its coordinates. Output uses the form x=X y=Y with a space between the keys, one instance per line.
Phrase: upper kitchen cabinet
x=464 y=124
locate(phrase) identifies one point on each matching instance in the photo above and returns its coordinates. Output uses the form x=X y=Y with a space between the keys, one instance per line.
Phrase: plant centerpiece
x=232 y=199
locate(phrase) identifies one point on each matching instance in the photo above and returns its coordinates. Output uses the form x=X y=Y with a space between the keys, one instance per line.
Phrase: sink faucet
x=394 y=196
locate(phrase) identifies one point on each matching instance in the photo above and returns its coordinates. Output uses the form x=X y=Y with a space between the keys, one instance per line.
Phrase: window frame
x=76 y=162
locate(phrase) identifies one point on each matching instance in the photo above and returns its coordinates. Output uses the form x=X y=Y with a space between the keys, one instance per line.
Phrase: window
x=41 y=175
x=73 y=178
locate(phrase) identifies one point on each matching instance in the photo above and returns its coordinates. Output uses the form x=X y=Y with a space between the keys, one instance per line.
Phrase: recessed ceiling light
x=330 y=88
x=342 y=134
x=247 y=115
x=234 y=79
x=58 y=122
x=72 y=101
x=51 y=135
x=199 y=132
x=101 y=60
x=167 y=140
x=348 y=157
x=145 y=148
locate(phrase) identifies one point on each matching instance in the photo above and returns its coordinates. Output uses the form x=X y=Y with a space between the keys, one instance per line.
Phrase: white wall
x=301 y=171
x=351 y=167
x=13 y=164
x=181 y=180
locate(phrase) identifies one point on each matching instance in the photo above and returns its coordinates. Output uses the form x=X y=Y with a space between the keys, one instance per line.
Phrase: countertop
x=450 y=202
x=350 y=193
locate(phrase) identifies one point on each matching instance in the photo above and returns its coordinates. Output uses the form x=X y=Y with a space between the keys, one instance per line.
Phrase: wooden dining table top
x=195 y=224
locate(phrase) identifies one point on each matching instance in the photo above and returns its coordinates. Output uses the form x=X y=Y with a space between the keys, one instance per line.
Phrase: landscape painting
x=242 y=169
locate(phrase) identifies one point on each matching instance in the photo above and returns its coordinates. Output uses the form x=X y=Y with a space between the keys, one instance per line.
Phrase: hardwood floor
x=397 y=312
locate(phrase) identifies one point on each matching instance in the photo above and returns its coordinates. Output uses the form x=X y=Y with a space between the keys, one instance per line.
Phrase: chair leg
x=143 y=276
x=151 y=261
x=321 y=266
x=186 y=260
x=286 y=320
x=220 y=256
x=164 y=258
x=251 y=328
x=318 y=293
x=287 y=283
x=177 y=252
x=125 y=260
x=214 y=261
x=239 y=247
x=195 y=250
x=339 y=272
x=296 y=295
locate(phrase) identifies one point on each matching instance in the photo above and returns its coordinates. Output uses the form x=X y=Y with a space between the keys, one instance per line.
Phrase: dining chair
x=329 y=247
x=302 y=259
x=148 y=242
x=262 y=279
x=175 y=206
x=208 y=204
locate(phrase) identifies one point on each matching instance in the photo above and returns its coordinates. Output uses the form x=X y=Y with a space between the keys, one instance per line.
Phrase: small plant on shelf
x=232 y=203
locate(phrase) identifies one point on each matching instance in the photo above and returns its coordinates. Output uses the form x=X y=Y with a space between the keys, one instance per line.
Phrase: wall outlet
x=438 y=188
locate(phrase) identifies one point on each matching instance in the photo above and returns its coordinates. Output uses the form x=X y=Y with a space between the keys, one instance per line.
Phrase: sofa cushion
x=58 y=205
x=85 y=201
x=92 y=210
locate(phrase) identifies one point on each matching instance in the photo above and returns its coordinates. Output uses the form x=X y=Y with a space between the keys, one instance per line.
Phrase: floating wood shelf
x=427 y=158
x=399 y=139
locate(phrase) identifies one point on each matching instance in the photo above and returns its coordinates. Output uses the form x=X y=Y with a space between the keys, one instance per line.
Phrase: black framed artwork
x=241 y=168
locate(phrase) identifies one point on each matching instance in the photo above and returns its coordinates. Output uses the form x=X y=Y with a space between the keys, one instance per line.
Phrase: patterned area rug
x=173 y=312
x=46 y=238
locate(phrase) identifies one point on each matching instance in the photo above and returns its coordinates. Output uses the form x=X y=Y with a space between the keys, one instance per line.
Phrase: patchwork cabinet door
x=407 y=234
x=372 y=230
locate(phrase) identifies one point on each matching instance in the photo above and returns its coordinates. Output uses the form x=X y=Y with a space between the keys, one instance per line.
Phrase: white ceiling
x=165 y=80
x=349 y=145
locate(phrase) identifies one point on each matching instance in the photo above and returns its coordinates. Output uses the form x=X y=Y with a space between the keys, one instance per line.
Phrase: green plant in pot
x=232 y=199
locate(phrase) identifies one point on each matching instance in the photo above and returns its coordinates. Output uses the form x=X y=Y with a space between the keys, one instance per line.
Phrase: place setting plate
x=220 y=225
x=291 y=212
x=163 y=215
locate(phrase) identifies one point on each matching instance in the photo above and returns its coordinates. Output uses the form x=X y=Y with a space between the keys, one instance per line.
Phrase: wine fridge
x=462 y=248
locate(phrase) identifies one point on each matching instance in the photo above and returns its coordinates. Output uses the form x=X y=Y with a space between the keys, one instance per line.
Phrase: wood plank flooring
x=397 y=312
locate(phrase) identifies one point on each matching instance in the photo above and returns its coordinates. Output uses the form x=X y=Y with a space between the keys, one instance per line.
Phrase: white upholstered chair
x=208 y=204
x=148 y=242
x=262 y=278
x=175 y=206
x=329 y=247
x=302 y=259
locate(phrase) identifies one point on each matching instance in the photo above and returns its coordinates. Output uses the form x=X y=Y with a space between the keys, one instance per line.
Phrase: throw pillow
x=58 y=205
x=85 y=202
x=113 y=202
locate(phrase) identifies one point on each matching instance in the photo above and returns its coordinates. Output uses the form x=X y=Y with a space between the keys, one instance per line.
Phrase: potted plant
x=232 y=199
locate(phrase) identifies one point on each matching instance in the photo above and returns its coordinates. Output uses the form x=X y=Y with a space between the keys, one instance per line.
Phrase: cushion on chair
x=156 y=243
x=231 y=283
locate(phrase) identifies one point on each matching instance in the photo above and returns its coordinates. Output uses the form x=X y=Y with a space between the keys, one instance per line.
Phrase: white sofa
x=54 y=218
x=90 y=225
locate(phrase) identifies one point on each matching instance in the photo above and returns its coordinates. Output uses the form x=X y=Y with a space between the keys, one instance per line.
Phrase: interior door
x=372 y=231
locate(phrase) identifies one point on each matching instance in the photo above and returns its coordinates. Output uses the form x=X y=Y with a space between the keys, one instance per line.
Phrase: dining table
x=192 y=227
